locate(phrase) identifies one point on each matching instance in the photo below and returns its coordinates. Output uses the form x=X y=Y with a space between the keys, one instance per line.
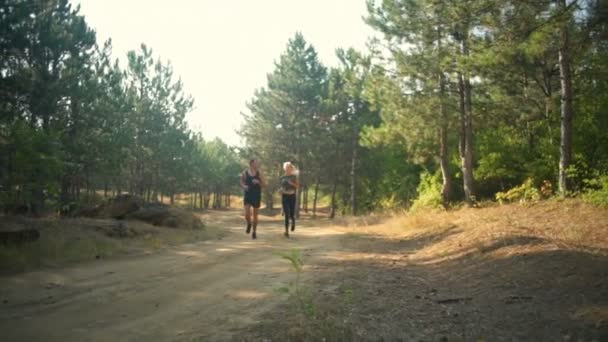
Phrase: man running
x=252 y=182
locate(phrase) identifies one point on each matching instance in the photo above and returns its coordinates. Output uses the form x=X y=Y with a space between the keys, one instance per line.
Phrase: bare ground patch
x=501 y=273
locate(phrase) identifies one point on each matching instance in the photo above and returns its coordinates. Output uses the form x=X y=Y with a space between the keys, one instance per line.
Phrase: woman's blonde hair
x=287 y=165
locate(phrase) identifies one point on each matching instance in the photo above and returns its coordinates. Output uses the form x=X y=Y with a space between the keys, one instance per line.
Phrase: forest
x=453 y=173
x=453 y=102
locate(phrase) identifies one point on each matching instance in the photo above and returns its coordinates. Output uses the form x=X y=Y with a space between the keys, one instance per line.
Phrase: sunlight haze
x=223 y=50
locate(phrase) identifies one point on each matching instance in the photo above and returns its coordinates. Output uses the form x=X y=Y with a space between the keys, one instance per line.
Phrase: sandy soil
x=444 y=284
x=210 y=290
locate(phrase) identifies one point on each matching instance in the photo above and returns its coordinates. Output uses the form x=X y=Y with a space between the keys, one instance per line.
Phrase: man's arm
x=243 y=185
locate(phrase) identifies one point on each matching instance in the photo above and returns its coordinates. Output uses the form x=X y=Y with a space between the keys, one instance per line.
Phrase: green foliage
x=511 y=50
x=295 y=260
x=387 y=179
x=524 y=193
x=33 y=163
x=75 y=121
x=597 y=192
x=429 y=192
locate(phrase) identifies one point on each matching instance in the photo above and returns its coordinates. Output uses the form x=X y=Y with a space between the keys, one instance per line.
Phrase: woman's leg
x=292 y=211
x=285 y=202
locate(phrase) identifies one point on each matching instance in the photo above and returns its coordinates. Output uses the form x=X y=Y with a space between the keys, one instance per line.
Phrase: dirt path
x=210 y=290
x=443 y=284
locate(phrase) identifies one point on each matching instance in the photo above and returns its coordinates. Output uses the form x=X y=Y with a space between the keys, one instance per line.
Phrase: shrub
x=429 y=192
x=598 y=191
x=523 y=193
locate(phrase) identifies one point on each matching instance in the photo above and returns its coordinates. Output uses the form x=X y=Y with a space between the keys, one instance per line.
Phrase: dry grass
x=502 y=230
x=68 y=241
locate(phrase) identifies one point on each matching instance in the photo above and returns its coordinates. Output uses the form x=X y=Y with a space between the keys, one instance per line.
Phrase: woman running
x=252 y=182
x=289 y=185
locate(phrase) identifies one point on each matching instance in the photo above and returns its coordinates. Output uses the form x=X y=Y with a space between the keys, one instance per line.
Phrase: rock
x=18 y=237
x=154 y=213
x=117 y=229
x=122 y=205
x=89 y=211
x=166 y=216
x=133 y=207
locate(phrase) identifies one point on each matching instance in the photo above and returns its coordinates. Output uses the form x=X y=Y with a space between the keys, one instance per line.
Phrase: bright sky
x=223 y=49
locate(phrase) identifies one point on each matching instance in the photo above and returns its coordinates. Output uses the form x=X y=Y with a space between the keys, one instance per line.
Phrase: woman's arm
x=262 y=179
x=295 y=183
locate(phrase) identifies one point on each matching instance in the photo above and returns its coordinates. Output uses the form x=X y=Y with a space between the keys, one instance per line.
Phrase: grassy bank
x=67 y=241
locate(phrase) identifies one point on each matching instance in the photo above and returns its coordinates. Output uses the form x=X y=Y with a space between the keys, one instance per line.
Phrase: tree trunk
x=567 y=110
x=64 y=197
x=298 y=199
x=268 y=199
x=443 y=136
x=444 y=164
x=345 y=197
x=314 y=200
x=132 y=180
x=332 y=210
x=353 y=175
x=461 y=140
x=466 y=134
x=305 y=201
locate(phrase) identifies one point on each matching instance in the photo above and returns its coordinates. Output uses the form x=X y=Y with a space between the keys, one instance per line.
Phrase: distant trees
x=286 y=116
x=465 y=92
x=73 y=122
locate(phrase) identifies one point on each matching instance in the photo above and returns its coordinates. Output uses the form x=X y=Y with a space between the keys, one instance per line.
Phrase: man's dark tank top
x=249 y=181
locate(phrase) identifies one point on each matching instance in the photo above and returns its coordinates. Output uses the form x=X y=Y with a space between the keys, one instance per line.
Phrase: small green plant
x=598 y=191
x=303 y=299
x=524 y=193
x=318 y=324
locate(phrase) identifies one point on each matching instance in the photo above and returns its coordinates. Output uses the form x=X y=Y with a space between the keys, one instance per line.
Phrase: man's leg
x=255 y=222
x=248 y=217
